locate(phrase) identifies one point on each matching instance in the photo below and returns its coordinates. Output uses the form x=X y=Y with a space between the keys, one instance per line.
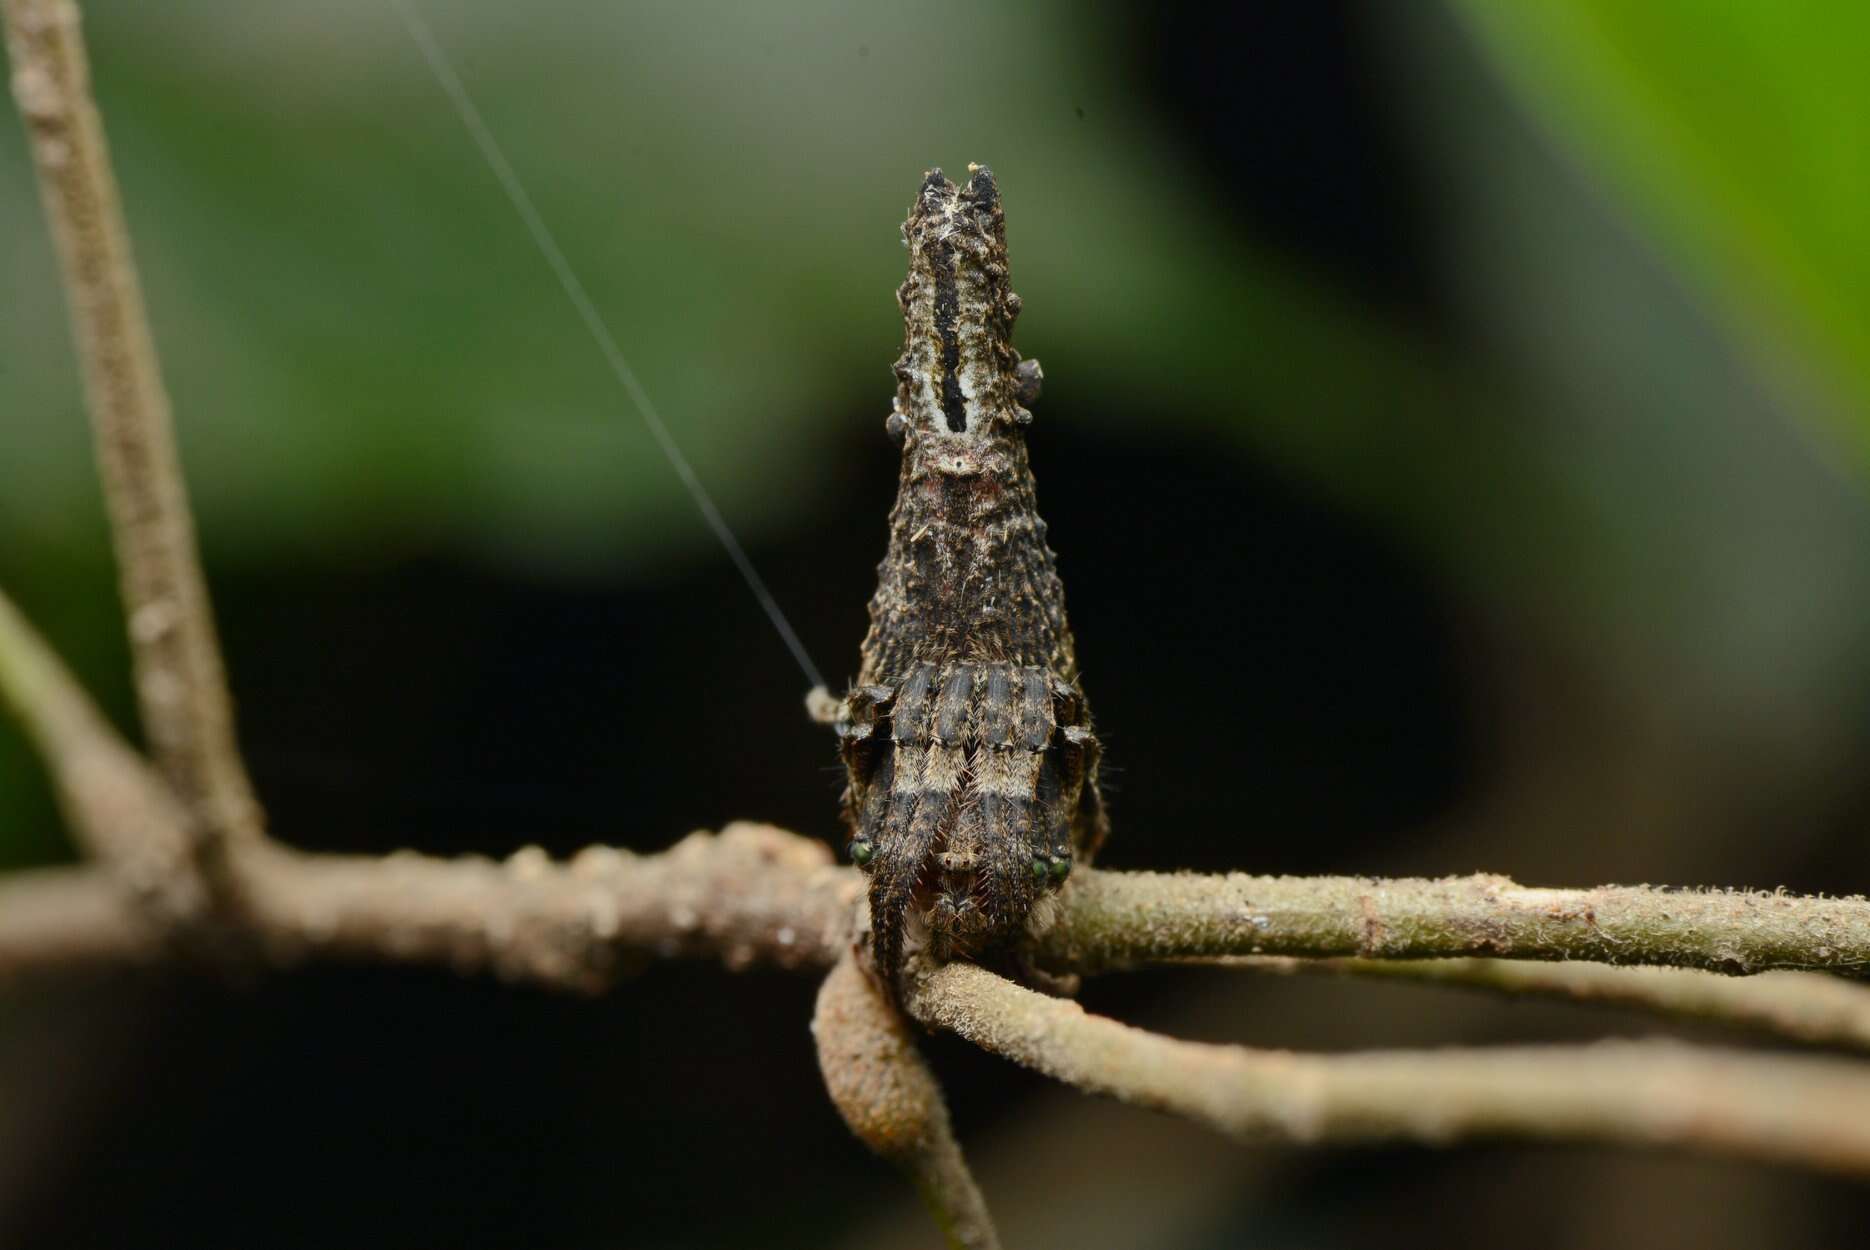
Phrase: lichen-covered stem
x=890 y=1099
x=750 y=895
x=61 y=921
x=180 y=684
x=1810 y=1112
x=117 y=808
x=1110 y=919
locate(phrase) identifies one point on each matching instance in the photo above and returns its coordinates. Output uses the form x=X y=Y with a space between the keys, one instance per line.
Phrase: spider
x=966 y=737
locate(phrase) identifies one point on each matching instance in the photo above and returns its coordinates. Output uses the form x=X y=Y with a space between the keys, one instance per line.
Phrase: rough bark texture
x=1810 y=1112
x=180 y=684
x=891 y=1101
x=1110 y=920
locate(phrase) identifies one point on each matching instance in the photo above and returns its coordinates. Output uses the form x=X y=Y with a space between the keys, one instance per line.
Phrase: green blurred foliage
x=364 y=345
x=1740 y=132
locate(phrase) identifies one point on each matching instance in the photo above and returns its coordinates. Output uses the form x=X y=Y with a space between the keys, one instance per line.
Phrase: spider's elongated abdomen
x=973 y=771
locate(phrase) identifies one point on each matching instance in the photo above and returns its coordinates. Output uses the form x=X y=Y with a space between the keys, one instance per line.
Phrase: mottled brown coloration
x=973 y=770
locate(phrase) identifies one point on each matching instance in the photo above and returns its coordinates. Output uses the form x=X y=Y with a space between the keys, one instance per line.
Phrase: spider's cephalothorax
x=973 y=772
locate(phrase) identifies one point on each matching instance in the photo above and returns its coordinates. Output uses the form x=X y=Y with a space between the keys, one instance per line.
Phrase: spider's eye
x=1040 y=869
x=862 y=852
x=1061 y=867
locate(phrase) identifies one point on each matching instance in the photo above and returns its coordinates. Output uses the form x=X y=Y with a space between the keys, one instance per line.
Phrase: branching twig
x=752 y=894
x=759 y=894
x=748 y=896
x=1122 y=919
x=884 y=1090
x=1808 y=1006
x=116 y=806
x=179 y=680
x=1810 y=1112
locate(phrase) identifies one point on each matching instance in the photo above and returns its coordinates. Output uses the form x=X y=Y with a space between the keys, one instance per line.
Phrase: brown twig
x=888 y=1096
x=1808 y=1006
x=1123 y=919
x=118 y=809
x=180 y=684
x=750 y=895
x=757 y=894
x=56 y=921
x=1810 y=1112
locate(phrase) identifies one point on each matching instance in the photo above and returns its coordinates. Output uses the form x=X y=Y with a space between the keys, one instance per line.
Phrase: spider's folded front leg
x=967 y=806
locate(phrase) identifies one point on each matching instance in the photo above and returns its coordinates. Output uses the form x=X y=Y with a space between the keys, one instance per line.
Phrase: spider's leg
x=1015 y=725
x=924 y=776
x=864 y=741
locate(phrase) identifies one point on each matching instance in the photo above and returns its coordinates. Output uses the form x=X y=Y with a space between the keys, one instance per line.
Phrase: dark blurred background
x=1454 y=444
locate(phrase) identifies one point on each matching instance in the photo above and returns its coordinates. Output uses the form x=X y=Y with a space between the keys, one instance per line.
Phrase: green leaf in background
x=365 y=351
x=1741 y=131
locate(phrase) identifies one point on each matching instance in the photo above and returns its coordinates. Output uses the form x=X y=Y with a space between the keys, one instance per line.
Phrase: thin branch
x=1114 y=920
x=55 y=921
x=117 y=808
x=750 y=895
x=180 y=684
x=1808 y=1006
x=1804 y=1111
x=886 y=1093
x=756 y=894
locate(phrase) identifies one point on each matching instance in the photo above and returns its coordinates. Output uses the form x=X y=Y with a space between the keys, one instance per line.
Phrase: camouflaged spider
x=967 y=740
